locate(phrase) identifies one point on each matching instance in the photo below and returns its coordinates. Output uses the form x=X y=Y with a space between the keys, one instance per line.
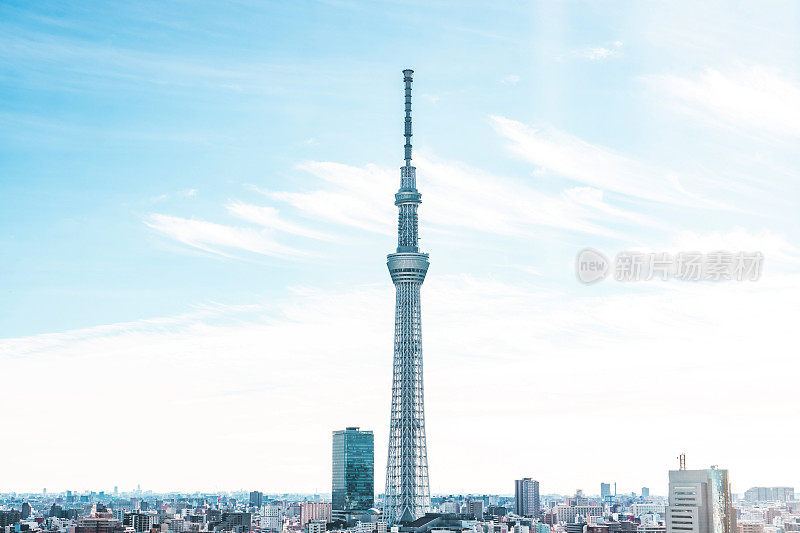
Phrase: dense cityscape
x=698 y=501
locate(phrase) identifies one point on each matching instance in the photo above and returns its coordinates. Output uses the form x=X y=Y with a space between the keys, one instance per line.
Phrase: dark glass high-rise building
x=353 y=487
x=526 y=497
x=256 y=498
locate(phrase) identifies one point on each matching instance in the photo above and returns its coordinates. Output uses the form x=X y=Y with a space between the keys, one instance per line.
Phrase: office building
x=177 y=525
x=315 y=526
x=475 y=508
x=235 y=522
x=605 y=490
x=140 y=522
x=700 y=502
x=256 y=498
x=751 y=527
x=577 y=527
x=769 y=494
x=771 y=514
x=571 y=514
x=353 y=480
x=9 y=518
x=407 y=489
x=526 y=497
x=100 y=520
x=645 y=492
x=579 y=499
x=639 y=509
x=496 y=511
x=651 y=528
x=272 y=517
x=321 y=511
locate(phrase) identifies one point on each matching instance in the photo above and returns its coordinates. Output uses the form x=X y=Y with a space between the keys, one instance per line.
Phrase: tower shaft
x=407 y=489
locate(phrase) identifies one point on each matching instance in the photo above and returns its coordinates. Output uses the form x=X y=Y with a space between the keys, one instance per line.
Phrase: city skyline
x=196 y=204
x=656 y=491
x=699 y=501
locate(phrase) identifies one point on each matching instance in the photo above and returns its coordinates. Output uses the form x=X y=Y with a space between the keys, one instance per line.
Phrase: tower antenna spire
x=408 y=77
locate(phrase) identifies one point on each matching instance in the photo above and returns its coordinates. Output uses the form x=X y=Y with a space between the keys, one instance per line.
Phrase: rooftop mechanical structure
x=407 y=489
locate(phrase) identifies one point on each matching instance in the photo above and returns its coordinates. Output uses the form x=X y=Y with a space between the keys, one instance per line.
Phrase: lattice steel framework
x=407 y=490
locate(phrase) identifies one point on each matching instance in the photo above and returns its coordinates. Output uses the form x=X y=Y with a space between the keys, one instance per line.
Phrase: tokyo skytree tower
x=407 y=490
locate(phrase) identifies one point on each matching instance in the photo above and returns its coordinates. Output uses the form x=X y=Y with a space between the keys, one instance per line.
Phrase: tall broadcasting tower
x=407 y=492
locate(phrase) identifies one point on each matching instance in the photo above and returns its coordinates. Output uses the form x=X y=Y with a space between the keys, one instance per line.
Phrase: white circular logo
x=591 y=265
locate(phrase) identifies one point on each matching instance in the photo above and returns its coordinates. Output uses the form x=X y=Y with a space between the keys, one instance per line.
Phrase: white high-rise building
x=316 y=511
x=571 y=514
x=769 y=494
x=700 y=502
x=272 y=517
x=639 y=509
x=451 y=506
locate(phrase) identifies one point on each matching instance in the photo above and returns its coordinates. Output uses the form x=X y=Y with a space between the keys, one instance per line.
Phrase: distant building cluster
x=697 y=501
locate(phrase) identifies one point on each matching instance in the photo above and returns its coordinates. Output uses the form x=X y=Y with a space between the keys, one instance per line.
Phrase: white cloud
x=219 y=238
x=511 y=79
x=594 y=165
x=599 y=53
x=269 y=217
x=356 y=197
x=752 y=97
x=637 y=348
x=777 y=250
x=498 y=205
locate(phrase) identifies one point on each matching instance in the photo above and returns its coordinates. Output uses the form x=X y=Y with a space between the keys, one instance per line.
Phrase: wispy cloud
x=269 y=217
x=778 y=251
x=355 y=197
x=185 y=193
x=218 y=238
x=499 y=205
x=348 y=196
x=751 y=97
x=595 y=165
x=598 y=53
x=511 y=79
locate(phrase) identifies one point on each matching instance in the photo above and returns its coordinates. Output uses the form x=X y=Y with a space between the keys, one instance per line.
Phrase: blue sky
x=198 y=196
